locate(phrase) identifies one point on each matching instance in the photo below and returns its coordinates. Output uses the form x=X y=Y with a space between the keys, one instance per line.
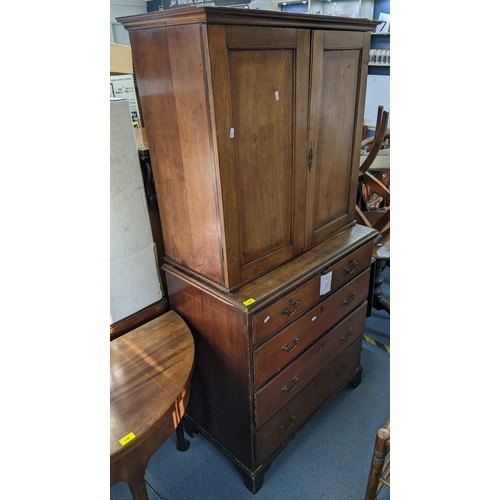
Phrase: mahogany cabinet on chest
x=254 y=122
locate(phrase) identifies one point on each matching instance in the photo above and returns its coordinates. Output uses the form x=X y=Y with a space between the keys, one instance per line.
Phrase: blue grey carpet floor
x=329 y=459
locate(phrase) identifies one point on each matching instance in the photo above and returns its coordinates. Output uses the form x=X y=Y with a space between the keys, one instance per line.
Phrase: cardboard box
x=123 y=87
x=135 y=280
x=121 y=64
x=141 y=138
x=120 y=60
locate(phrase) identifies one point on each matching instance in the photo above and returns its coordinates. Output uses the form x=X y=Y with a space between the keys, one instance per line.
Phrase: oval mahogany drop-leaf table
x=150 y=369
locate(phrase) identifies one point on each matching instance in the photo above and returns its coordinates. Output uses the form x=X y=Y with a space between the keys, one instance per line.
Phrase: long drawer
x=293 y=304
x=283 y=426
x=282 y=388
x=284 y=347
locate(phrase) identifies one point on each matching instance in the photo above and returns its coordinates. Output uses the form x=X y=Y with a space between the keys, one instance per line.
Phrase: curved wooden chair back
x=369 y=183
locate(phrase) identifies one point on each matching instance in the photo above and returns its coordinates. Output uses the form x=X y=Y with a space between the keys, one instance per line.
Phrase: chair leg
x=379 y=453
x=379 y=301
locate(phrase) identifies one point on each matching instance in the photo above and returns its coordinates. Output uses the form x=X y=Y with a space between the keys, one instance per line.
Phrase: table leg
x=138 y=489
x=182 y=442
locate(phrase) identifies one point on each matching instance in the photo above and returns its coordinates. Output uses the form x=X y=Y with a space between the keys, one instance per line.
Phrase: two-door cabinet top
x=254 y=122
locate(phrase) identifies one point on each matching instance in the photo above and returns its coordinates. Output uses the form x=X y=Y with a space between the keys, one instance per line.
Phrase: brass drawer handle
x=347 y=335
x=284 y=427
x=351 y=268
x=285 y=310
x=349 y=299
x=290 y=389
x=288 y=349
x=341 y=372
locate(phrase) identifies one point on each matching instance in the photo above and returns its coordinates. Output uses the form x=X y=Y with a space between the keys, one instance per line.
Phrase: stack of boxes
x=134 y=275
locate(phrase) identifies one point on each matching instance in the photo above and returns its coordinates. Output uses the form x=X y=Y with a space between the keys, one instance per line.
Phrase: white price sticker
x=326 y=283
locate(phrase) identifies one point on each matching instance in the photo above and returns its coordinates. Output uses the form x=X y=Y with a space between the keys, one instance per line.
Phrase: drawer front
x=349 y=267
x=287 y=309
x=280 y=350
x=282 y=388
x=284 y=425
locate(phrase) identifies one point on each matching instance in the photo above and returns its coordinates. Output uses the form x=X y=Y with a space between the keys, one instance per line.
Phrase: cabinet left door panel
x=259 y=82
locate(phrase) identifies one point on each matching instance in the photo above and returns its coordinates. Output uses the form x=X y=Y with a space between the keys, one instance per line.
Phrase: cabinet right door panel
x=338 y=81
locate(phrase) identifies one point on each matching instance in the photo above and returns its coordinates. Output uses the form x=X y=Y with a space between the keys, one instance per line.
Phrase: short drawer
x=292 y=305
x=284 y=425
x=287 y=309
x=282 y=388
x=272 y=356
x=349 y=267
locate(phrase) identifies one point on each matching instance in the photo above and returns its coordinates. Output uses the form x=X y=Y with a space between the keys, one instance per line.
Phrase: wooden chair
x=380 y=465
x=368 y=182
x=379 y=218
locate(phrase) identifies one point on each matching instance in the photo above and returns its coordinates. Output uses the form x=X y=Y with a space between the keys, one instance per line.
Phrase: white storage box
x=135 y=281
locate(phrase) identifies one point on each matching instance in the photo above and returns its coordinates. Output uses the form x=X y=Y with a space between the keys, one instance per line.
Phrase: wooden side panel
x=171 y=75
x=220 y=401
x=334 y=118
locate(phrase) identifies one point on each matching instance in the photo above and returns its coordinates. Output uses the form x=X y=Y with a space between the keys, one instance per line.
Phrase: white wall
x=118 y=8
x=342 y=7
x=367 y=7
x=345 y=7
x=378 y=92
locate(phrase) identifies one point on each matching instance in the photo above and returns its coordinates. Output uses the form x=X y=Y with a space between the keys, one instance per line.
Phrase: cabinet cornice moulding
x=229 y=15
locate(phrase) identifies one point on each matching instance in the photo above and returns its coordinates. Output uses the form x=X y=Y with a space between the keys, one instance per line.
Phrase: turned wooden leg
x=138 y=489
x=379 y=454
x=182 y=442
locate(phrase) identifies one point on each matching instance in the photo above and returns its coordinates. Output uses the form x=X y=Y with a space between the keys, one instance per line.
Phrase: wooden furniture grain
x=378 y=475
x=254 y=123
x=150 y=369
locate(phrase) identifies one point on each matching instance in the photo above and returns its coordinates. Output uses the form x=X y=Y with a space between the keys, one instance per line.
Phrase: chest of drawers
x=271 y=354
